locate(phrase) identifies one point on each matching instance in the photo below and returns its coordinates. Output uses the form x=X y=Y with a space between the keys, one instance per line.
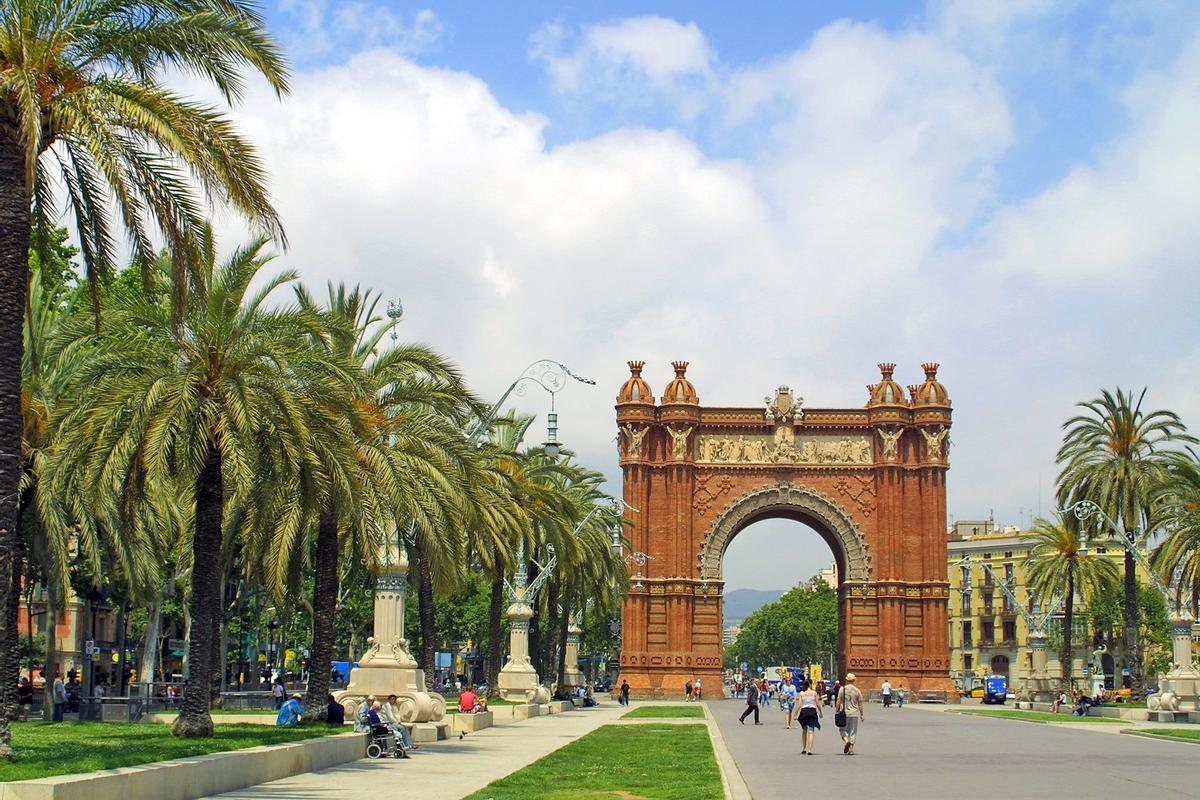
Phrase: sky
x=777 y=193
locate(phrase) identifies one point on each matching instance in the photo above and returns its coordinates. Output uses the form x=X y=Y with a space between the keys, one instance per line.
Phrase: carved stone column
x=1179 y=689
x=387 y=667
x=1039 y=686
x=572 y=677
x=518 y=681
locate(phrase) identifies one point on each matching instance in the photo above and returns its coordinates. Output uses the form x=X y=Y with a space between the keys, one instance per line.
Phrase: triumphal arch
x=870 y=480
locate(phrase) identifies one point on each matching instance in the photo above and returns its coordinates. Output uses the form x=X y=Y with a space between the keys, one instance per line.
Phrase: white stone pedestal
x=387 y=667
x=1178 y=690
x=572 y=677
x=518 y=681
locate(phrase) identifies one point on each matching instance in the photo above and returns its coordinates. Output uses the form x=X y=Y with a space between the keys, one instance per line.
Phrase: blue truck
x=995 y=689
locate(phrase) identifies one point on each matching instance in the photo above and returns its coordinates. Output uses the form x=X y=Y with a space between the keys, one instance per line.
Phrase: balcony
x=987 y=643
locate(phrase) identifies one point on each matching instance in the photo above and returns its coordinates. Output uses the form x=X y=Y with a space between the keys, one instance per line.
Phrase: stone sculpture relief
x=934 y=442
x=783 y=449
x=890 y=440
x=679 y=442
x=630 y=440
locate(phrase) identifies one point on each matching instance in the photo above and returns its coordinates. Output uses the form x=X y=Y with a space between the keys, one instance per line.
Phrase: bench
x=932 y=696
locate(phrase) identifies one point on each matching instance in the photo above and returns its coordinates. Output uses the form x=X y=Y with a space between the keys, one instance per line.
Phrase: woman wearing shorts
x=810 y=714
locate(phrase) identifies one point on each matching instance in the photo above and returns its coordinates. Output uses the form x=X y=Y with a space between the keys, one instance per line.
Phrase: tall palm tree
x=1056 y=566
x=216 y=403
x=406 y=465
x=1115 y=455
x=1177 y=511
x=81 y=105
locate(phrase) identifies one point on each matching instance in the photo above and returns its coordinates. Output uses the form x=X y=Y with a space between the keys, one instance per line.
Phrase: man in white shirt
x=886 y=691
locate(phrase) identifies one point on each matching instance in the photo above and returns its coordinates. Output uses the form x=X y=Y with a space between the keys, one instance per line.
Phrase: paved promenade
x=446 y=770
x=919 y=752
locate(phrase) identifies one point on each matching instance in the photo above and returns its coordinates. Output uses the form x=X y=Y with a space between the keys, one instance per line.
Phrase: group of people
x=692 y=691
x=804 y=705
x=383 y=718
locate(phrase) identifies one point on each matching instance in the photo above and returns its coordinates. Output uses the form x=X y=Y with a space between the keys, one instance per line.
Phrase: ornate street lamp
x=552 y=377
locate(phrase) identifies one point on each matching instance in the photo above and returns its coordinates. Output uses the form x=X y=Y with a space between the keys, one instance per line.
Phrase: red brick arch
x=870 y=481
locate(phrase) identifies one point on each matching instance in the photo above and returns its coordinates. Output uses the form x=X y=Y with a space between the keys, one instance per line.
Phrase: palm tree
x=1177 y=511
x=1115 y=455
x=1057 y=566
x=406 y=463
x=80 y=104
x=216 y=403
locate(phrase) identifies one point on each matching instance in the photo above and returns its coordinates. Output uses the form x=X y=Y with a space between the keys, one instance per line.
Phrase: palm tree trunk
x=1064 y=658
x=495 y=631
x=324 y=605
x=10 y=646
x=535 y=624
x=216 y=677
x=149 y=660
x=14 y=287
x=550 y=652
x=194 y=718
x=49 y=666
x=1133 y=650
x=426 y=612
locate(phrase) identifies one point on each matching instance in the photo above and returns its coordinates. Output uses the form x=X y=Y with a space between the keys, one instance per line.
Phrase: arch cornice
x=785 y=500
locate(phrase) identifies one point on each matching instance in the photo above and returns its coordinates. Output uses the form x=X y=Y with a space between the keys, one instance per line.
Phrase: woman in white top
x=809 y=717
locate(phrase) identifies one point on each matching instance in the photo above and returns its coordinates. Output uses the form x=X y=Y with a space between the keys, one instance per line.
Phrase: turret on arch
x=871 y=481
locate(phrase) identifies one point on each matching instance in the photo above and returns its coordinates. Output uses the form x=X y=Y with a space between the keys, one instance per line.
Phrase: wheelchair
x=384 y=743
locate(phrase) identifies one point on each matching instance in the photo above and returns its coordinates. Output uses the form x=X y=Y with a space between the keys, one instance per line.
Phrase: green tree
x=81 y=106
x=1105 y=614
x=798 y=629
x=1056 y=566
x=1116 y=455
x=212 y=405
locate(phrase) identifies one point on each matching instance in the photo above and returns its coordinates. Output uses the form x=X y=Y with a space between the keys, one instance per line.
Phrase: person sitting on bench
x=471 y=703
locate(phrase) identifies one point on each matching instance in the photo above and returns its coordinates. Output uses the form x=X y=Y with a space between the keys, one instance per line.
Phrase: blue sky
x=779 y=193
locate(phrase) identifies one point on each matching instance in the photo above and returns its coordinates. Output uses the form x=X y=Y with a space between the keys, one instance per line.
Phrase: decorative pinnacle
x=913 y=389
x=887 y=369
x=931 y=369
x=871 y=388
x=635 y=368
x=680 y=368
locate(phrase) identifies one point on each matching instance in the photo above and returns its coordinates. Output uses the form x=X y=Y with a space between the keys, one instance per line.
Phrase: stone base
x=423 y=732
x=559 y=706
x=526 y=710
x=1168 y=716
x=472 y=722
x=415 y=704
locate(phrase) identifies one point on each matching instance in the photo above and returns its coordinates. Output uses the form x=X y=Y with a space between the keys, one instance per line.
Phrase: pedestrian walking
x=900 y=693
x=624 y=692
x=696 y=690
x=24 y=698
x=885 y=690
x=279 y=692
x=809 y=717
x=751 y=704
x=60 y=697
x=687 y=691
x=787 y=701
x=849 y=712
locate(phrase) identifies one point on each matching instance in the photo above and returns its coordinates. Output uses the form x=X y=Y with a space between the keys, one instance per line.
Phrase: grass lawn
x=665 y=712
x=66 y=748
x=1039 y=716
x=649 y=761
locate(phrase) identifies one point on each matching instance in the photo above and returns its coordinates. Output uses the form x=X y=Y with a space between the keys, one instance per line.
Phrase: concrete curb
x=195 y=776
x=1151 y=735
x=731 y=775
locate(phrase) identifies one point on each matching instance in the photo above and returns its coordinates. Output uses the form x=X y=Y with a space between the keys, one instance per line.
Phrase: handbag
x=839 y=716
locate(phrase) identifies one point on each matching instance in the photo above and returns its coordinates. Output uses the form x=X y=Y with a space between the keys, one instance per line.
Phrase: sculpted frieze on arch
x=784 y=447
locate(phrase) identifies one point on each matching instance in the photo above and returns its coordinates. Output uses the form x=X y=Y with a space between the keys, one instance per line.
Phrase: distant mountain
x=741 y=603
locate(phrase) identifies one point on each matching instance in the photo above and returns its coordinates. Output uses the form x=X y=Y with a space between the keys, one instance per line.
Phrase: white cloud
x=662 y=56
x=320 y=27
x=1134 y=211
x=819 y=254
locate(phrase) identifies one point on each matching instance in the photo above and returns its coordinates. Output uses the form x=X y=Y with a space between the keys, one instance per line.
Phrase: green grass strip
x=615 y=762
x=1039 y=716
x=67 y=748
x=666 y=712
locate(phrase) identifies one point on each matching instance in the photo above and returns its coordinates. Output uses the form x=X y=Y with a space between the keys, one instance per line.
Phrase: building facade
x=988 y=635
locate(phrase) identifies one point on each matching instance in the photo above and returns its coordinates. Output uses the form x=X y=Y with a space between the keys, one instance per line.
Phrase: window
x=968 y=641
x=989 y=632
x=1008 y=554
x=987 y=556
x=1010 y=630
x=1008 y=605
x=987 y=603
x=966 y=603
x=1008 y=573
x=968 y=662
x=966 y=577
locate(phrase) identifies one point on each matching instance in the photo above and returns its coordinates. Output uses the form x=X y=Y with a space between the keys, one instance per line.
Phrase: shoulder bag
x=839 y=716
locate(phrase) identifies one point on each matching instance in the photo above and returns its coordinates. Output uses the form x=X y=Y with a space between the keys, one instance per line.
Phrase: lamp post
x=552 y=377
x=1180 y=686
